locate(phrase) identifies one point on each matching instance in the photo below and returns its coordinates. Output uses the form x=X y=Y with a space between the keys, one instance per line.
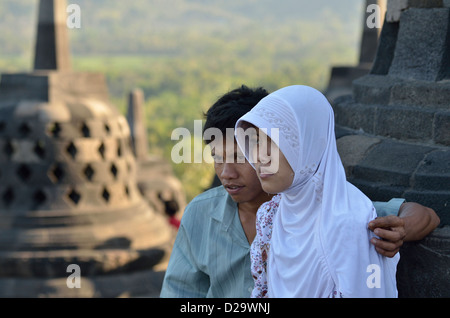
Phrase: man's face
x=237 y=176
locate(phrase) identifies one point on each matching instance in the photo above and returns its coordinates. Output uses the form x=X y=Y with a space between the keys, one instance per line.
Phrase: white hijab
x=320 y=240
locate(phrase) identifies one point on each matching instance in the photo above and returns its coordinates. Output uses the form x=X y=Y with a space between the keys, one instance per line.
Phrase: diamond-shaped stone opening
x=107 y=129
x=101 y=150
x=24 y=130
x=85 y=130
x=74 y=196
x=89 y=172
x=119 y=149
x=39 y=197
x=55 y=130
x=24 y=173
x=114 y=170
x=8 y=149
x=106 y=195
x=127 y=191
x=8 y=196
x=39 y=149
x=129 y=144
x=57 y=173
x=72 y=150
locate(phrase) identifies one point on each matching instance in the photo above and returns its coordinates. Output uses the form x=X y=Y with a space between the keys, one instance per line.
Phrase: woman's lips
x=266 y=169
x=265 y=175
x=265 y=172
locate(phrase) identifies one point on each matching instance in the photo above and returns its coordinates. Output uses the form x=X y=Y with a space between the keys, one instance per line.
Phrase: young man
x=210 y=257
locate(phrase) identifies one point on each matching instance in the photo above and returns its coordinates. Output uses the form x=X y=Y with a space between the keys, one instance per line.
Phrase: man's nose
x=229 y=171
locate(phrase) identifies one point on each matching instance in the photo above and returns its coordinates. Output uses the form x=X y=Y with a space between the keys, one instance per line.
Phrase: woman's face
x=272 y=168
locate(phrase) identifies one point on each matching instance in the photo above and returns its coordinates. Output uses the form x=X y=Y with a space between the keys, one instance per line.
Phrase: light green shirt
x=211 y=254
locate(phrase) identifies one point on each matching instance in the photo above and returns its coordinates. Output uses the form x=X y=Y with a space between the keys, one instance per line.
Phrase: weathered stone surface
x=414 y=40
x=387 y=106
x=386 y=48
x=384 y=169
x=434 y=171
x=145 y=283
x=424 y=267
x=404 y=123
x=391 y=162
x=425 y=3
x=442 y=128
x=52 y=87
x=420 y=94
x=389 y=90
x=355 y=116
x=341 y=131
x=378 y=191
x=105 y=260
x=373 y=89
x=353 y=148
x=395 y=7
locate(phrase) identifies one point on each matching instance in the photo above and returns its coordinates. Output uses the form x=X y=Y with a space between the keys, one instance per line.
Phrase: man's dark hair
x=232 y=106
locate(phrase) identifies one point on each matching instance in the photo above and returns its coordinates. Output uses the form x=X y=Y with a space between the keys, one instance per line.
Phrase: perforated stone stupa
x=68 y=190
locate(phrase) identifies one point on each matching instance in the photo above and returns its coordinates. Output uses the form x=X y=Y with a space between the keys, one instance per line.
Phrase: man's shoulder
x=214 y=194
x=211 y=203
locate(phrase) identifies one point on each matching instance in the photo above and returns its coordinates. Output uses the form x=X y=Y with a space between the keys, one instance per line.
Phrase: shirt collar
x=226 y=212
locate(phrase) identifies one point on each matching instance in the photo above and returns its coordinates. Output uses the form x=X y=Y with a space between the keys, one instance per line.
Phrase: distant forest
x=185 y=54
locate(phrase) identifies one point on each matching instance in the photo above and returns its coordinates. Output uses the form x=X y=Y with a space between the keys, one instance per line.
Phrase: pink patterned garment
x=261 y=245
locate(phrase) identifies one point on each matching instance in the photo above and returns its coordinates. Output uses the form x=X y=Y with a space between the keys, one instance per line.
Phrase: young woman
x=317 y=244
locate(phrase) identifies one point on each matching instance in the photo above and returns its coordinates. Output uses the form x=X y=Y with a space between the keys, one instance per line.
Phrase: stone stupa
x=68 y=189
x=393 y=132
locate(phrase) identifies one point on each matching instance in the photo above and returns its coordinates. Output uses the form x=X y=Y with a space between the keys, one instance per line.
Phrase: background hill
x=184 y=54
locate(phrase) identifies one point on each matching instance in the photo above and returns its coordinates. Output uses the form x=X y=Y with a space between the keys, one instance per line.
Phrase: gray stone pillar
x=135 y=117
x=369 y=38
x=155 y=177
x=52 y=43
